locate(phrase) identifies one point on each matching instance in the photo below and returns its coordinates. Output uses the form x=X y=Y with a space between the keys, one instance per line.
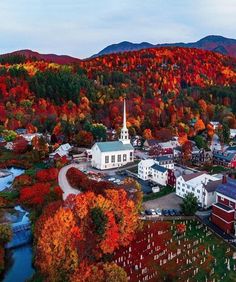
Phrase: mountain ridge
x=215 y=43
x=59 y=59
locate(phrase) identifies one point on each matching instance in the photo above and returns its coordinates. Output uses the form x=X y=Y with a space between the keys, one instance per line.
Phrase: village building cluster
x=161 y=164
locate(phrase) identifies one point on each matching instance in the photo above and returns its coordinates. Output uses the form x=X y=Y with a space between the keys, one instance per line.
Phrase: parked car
x=111 y=179
x=148 y=212
x=158 y=212
x=177 y=212
x=153 y=211
x=171 y=212
x=142 y=213
x=165 y=212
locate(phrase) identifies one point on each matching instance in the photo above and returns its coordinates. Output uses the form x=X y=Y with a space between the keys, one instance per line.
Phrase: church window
x=124 y=157
x=119 y=158
x=113 y=158
x=106 y=159
x=131 y=155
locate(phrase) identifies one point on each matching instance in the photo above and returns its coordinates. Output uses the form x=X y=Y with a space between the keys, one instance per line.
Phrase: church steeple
x=124 y=134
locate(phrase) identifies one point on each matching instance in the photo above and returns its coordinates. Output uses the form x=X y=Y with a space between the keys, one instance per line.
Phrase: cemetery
x=177 y=251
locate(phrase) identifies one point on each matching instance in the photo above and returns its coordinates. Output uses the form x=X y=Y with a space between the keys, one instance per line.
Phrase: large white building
x=144 y=168
x=107 y=155
x=201 y=184
x=155 y=170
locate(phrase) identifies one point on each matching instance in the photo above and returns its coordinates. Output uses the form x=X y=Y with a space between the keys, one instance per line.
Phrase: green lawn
x=215 y=169
x=164 y=191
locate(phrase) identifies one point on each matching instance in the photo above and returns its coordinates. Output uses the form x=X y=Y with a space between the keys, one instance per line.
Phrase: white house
x=215 y=124
x=61 y=151
x=9 y=146
x=155 y=170
x=201 y=184
x=158 y=174
x=165 y=161
x=29 y=136
x=144 y=168
x=232 y=133
x=107 y=155
x=169 y=144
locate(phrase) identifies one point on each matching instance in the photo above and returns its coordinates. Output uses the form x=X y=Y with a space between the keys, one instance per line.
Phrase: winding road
x=63 y=182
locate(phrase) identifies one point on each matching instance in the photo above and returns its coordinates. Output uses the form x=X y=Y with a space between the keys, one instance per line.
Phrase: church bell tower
x=124 y=134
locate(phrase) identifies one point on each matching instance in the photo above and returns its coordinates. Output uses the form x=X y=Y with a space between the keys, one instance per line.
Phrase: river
x=19 y=259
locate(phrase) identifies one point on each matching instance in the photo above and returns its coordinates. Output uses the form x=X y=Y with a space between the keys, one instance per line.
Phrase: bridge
x=21 y=235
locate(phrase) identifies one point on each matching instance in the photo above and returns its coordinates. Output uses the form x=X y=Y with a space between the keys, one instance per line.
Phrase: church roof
x=112 y=146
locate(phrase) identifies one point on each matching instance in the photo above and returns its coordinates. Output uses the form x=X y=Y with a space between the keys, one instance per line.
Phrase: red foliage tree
x=45 y=175
x=20 y=145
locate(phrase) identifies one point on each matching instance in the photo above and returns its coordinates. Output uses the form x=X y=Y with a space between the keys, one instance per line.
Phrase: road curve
x=63 y=182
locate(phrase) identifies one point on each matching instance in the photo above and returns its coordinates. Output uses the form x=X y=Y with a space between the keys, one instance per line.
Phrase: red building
x=223 y=211
x=171 y=178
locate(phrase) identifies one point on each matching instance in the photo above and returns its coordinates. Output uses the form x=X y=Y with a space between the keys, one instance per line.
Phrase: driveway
x=63 y=182
x=170 y=201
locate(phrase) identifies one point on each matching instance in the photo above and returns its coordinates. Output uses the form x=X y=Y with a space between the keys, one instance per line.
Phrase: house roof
x=152 y=142
x=231 y=148
x=159 y=168
x=212 y=185
x=224 y=207
x=21 y=130
x=163 y=158
x=228 y=189
x=191 y=176
x=147 y=162
x=227 y=156
x=112 y=146
x=63 y=147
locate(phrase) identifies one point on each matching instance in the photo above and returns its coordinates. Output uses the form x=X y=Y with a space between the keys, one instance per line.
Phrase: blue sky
x=81 y=28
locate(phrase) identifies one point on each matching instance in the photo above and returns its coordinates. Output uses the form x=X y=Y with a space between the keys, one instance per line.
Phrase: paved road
x=63 y=182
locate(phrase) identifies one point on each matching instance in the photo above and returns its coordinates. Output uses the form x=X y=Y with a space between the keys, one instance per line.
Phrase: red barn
x=223 y=211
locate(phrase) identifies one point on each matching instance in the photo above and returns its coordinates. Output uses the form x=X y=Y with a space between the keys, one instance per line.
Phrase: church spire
x=124 y=115
x=124 y=134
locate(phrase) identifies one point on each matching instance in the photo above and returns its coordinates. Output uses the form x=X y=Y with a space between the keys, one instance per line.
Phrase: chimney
x=224 y=179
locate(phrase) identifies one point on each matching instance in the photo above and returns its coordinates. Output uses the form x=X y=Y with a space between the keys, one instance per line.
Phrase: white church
x=108 y=155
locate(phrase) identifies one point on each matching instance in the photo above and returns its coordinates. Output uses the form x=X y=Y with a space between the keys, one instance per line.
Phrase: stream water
x=19 y=259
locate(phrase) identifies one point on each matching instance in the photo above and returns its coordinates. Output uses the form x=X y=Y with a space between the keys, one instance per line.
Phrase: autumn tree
x=164 y=134
x=147 y=134
x=5 y=233
x=99 y=273
x=200 y=142
x=187 y=151
x=20 y=145
x=224 y=133
x=40 y=146
x=84 y=138
x=56 y=255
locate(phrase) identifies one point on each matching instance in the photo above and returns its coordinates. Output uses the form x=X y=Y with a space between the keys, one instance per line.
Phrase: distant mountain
x=59 y=59
x=123 y=47
x=216 y=43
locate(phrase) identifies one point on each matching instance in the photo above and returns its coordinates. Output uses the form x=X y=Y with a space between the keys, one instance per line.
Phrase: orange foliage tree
x=56 y=256
x=87 y=227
